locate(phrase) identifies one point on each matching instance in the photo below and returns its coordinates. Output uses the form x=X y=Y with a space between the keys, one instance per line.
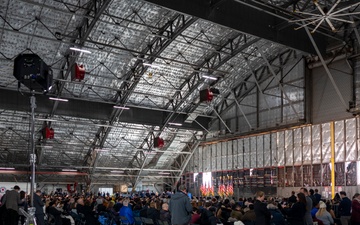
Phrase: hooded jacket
x=180 y=208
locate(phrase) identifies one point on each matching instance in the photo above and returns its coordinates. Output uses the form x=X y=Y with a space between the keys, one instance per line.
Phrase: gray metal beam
x=243 y=89
x=172 y=29
x=247 y=19
x=237 y=44
x=13 y=100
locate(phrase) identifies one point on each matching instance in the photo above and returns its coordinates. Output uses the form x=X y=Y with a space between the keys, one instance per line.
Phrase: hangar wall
x=294 y=157
x=326 y=102
x=281 y=161
x=270 y=101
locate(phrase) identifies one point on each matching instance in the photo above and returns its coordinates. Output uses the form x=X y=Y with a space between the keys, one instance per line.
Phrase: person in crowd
x=324 y=215
x=213 y=220
x=80 y=206
x=138 y=207
x=263 y=215
x=249 y=214
x=2 y=210
x=277 y=217
x=69 y=204
x=236 y=213
x=309 y=206
x=331 y=211
x=127 y=212
x=99 y=205
x=180 y=207
x=87 y=210
x=313 y=198
x=317 y=195
x=240 y=202
x=110 y=209
x=153 y=213
x=23 y=205
x=206 y=216
x=336 y=199
x=11 y=200
x=165 y=214
x=54 y=212
x=196 y=216
x=355 y=210
x=344 y=208
x=314 y=210
x=292 y=198
x=296 y=214
x=39 y=210
x=232 y=203
x=224 y=211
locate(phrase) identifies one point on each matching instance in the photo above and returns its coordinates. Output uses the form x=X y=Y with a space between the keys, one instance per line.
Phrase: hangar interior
x=173 y=88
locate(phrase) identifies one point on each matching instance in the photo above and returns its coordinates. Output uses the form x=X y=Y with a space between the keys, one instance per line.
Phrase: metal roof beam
x=254 y=20
x=13 y=100
x=173 y=29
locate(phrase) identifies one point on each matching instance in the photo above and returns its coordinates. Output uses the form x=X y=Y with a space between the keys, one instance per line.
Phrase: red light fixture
x=206 y=95
x=158 y=142
x=49 y=133
x=78 y=73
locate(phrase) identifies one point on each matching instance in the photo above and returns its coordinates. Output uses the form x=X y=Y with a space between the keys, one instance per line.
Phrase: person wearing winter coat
x=263 y=215
x=344 y=208
x=153 y=213
x=180 y=207
x=277 y=217
x=355 y=210
x=295 y=214
x=324 y=215
x=164 y=213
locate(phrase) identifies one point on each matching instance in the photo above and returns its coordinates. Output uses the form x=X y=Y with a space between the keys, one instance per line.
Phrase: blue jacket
x=277 y=217
x=128 y=213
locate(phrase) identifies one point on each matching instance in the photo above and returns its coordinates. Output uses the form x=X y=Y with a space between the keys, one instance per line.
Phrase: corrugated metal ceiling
x=120 y=35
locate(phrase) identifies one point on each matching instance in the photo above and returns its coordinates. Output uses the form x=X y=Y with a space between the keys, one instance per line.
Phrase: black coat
x=153 y=214
x=87 y=212
x=263 y=215
x=38 y=204
x=207 y=218
x=296 y=213
x=292 y=199
x=165 y=216
x=56 y=214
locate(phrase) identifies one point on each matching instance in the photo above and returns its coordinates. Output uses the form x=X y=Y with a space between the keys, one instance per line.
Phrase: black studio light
x=31 y=71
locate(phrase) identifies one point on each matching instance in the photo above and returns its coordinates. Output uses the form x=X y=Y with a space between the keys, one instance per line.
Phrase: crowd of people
x=302 y=208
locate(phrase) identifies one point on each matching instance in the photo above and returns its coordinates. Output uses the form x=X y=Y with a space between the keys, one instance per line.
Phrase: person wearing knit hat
x=323 y=214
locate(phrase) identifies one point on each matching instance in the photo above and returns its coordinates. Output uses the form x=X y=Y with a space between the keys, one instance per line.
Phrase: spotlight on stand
x=158 y=142
x=31 y=70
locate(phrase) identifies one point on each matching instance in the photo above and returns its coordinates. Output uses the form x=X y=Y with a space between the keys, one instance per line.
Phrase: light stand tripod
x=30 y=217
x=32 y=71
